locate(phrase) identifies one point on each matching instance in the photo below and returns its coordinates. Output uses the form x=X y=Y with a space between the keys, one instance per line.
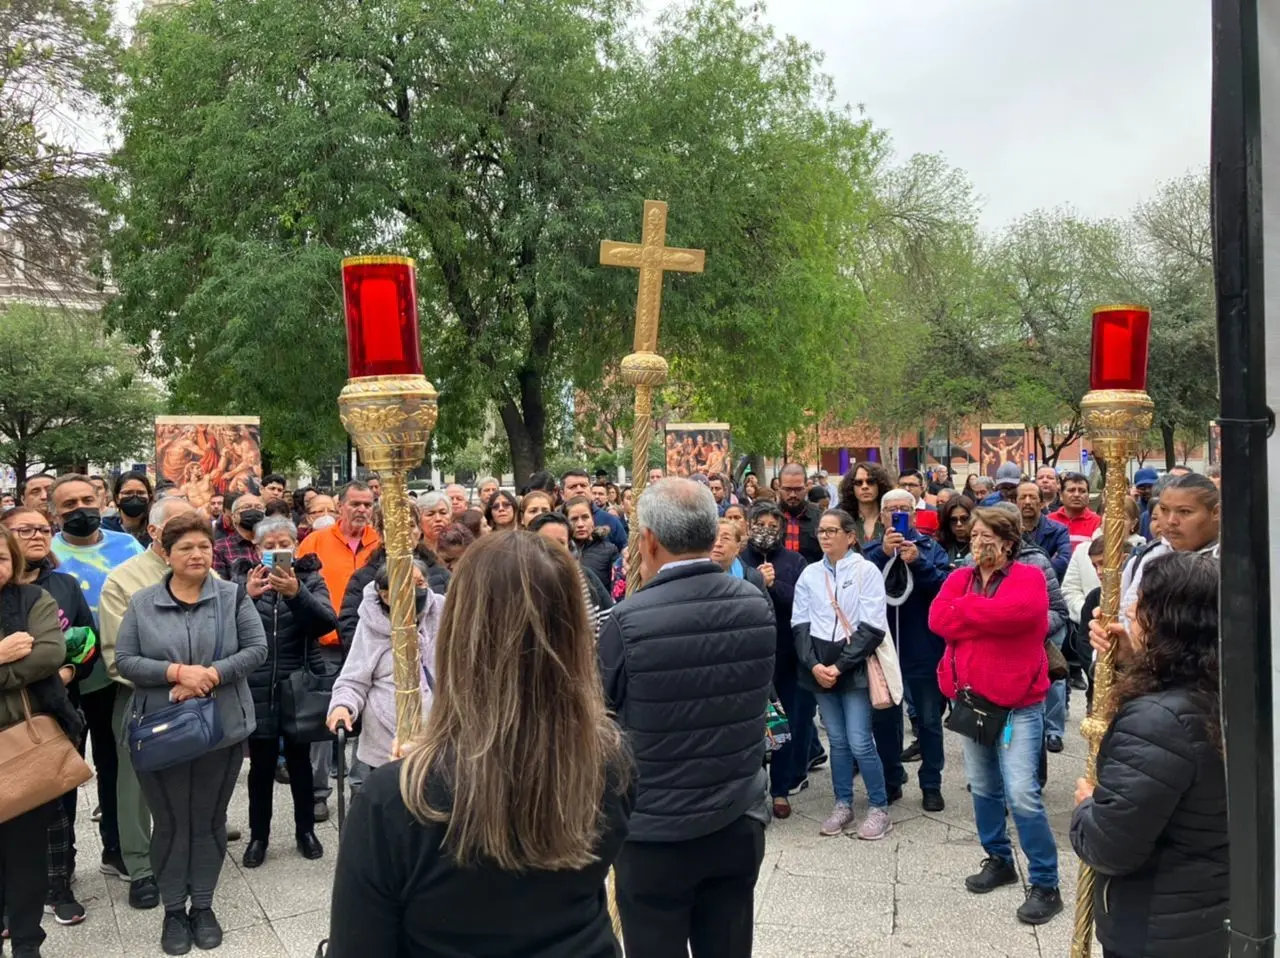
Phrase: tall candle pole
x=389 y=409
x=1117 y=415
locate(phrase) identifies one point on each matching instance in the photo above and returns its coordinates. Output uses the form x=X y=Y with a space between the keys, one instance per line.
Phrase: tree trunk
x=1170 y=450
x=526 y=427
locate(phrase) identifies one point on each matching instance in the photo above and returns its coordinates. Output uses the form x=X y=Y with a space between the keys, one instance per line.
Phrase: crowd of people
x=570 y=728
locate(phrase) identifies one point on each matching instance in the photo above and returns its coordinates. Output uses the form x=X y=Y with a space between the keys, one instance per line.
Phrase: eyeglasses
x=864 y=482
x=823 y=533
x=959 y=520
x=31 y=532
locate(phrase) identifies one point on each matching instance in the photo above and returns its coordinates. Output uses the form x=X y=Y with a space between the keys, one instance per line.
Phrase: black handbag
x=304 y=706
x=973 y=716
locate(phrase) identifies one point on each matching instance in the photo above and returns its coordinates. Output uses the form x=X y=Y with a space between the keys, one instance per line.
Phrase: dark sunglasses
x=864 y=482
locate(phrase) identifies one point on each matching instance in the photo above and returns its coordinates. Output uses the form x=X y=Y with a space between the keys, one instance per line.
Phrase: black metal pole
x=1245 y=607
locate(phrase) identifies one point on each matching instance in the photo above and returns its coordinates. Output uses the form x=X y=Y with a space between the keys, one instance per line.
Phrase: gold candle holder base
x=390 y=418
x=1116 y=420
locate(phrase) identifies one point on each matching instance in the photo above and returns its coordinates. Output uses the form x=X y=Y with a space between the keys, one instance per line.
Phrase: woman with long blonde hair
x=494 y=835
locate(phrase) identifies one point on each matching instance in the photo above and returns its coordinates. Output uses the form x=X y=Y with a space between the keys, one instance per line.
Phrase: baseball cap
x=1145 y=477
x=1010 y=474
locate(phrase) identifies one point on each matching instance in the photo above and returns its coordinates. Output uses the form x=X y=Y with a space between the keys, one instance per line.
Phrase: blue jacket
x=617 y=531
x=1054 y=539
x=919 y=649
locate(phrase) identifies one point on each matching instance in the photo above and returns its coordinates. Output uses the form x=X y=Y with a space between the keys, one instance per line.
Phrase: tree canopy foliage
x=498 y=143
x=69 y=392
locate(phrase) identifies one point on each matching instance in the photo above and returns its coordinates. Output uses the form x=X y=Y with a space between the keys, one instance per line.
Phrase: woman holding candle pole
x=1154 y=828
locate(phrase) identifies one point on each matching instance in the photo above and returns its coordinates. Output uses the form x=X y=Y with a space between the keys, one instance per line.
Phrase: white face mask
x=324 y=522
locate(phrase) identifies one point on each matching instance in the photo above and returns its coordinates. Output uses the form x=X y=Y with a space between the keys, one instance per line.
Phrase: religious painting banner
x=694 y=448
x=209 y=455
x=1002 y=443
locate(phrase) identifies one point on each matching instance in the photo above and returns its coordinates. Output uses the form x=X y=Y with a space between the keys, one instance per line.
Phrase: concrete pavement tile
x=768 y=869
x=843 y=857
x=838 y=904
x=784 y=941
x=301 y=933
x=260 y=941
x=933 y=922
x=287 y=884
x=937 y=865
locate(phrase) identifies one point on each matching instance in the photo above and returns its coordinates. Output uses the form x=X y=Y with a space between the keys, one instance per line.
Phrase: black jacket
x=398 y=893
x=787 y=566
x=349 y=617
x=73 y=611
x=687 y=662
x=1155 y=831
x=293 y=628
x=810 y=550
x=598 y=555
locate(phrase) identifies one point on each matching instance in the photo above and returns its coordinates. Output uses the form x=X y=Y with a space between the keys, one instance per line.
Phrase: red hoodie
x=995 y=643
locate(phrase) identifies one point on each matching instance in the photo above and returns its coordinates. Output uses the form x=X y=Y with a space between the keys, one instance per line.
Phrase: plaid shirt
x=791 y=535
x=228 y=550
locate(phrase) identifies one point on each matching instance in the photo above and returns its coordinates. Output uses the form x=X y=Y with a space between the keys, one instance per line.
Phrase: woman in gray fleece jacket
x=192 y=635
x=367 y=685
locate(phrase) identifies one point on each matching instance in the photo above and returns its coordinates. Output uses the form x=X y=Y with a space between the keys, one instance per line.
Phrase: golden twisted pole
x=644 y=369
x=1116 y=420
x=390 y=418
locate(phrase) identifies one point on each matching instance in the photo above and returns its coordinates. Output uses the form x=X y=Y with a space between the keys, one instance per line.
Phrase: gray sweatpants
x=188 y=805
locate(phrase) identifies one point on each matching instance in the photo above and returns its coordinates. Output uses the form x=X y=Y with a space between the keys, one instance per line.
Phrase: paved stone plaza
x=817 y=897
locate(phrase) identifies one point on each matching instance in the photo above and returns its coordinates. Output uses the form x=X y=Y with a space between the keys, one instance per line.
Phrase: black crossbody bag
x=973 y=716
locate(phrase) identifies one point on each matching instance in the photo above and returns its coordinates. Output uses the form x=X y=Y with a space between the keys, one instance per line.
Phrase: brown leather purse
x=38 y=763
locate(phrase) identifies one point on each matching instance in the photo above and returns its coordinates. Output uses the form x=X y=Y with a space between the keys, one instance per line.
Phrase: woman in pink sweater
x=993 y=619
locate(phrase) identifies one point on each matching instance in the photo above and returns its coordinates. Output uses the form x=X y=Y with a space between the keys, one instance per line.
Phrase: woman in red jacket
x=993 y=618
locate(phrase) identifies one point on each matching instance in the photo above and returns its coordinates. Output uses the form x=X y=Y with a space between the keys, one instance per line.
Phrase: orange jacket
x=338 y=562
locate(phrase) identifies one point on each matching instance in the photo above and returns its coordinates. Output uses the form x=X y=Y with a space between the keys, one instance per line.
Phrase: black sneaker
x=895 y=794
x=995 y=873
x=205 y=930
x=234 y=834
x=1053 y=743
x=321 y=811
x=144 y=893
x=175 y=937
x=113 y=864
x=804 y=783
x=1077 y=680
x=818 y=762
x=912 y=752
x=282 y=775
x=62 y=905
x=933 y=800
x=1041 y=905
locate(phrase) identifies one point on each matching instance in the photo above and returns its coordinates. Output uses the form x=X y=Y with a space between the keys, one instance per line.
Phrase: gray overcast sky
x=1089 y=103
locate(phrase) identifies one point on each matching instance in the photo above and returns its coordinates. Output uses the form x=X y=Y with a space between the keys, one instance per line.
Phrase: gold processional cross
x=644 y=368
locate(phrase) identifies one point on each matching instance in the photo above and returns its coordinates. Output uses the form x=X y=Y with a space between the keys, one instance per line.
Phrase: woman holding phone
x=293 y=602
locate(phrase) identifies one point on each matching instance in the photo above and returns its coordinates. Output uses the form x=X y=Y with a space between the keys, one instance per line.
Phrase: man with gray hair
x=687 y=663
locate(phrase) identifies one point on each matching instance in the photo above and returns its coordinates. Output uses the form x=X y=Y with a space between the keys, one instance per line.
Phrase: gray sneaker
x=841 y=817
x=876 y=826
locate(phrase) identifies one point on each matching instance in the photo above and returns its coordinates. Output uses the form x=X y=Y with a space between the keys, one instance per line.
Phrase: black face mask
x=82 y=523
x=250 y=518
x=133 y=506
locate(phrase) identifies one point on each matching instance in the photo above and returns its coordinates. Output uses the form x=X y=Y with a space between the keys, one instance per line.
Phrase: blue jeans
x=1006 y=776
x=847 y=716
x=929 y=708
x=790 y=764
x=1055 y=705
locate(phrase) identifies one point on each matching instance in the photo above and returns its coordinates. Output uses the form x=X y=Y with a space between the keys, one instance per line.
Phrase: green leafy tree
x=55 y=58
x=68 y=392
x=1173 y=273
x=497 y=142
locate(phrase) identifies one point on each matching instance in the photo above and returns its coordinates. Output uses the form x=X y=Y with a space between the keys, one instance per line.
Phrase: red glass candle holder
x=1121 y=340
x=382 y=316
